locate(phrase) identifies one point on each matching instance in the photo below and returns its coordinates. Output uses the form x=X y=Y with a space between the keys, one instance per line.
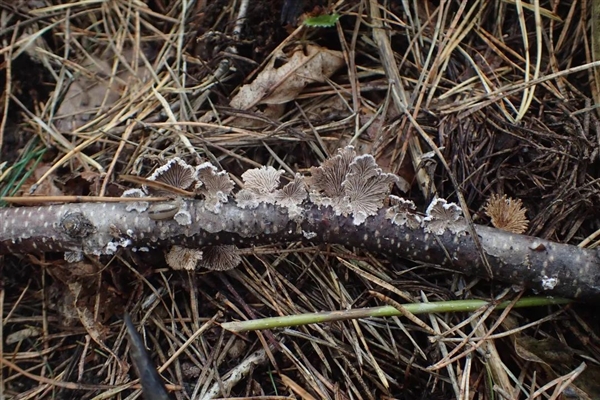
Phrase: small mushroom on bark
x=507 y=214
x=220 y=258
x=214 y=185
x=403 y=212
x=366 y=187
x=442 y=215
x=263 y=180
x=351 y=184
x=139 y=206
x=183 y=258
x=176 y=173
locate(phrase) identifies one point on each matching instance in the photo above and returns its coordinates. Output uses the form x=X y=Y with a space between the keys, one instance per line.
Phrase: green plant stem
x=384 y=311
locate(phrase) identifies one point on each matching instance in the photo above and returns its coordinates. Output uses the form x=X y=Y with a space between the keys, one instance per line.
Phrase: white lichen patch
x=183 y=218
x=403 y=212
x=441 y=215
x=73 y=256
x=183 y=258
x=139 y=206
x=549 y=283
x=214 y=185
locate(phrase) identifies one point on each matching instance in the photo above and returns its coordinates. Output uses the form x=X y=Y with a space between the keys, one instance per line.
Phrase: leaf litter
x=371 y=83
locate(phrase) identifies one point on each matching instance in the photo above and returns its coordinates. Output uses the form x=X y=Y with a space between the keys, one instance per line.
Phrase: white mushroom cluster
x=352 y=185
x=261 y=185
x=174 y=179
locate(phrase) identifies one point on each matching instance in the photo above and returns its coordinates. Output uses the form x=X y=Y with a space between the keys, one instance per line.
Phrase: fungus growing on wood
x=245 y=198
x=507 y=214
x=183 y=258
x=327 y=179
x=176 y=173
x=292 y=195
x=351 y=184
x=263 y=180
x=101 y=228
x=403 y=212
x=366 y=187
x=442 y=215
x=214 y=185
x=139 y=206
x=183 y=218
x=259 y=186
x=220 y=258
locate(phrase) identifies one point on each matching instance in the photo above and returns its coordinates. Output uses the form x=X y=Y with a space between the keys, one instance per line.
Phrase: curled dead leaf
x=280 y=84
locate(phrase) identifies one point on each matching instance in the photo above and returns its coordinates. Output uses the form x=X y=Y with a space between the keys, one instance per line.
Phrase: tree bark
x=101 y=228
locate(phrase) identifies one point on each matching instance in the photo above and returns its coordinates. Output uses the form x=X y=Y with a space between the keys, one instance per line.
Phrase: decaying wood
x=102 y=228
x=345 y=206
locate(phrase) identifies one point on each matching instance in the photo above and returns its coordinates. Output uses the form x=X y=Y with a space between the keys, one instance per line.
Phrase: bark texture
x=101 y=228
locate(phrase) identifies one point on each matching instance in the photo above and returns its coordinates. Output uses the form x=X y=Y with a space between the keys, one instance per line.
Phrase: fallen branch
x=440 y=237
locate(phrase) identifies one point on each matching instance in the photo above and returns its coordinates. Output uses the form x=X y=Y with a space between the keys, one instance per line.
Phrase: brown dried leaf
x=507 y=214
x=277 y=85
x=94 y=92
x=46 y=188
x=94 y=328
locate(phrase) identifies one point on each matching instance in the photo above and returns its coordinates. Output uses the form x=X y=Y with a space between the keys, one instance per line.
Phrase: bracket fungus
x=139 y=206
x=506 y=213
x=183 y=217
x=403 y=212
x=176 y=173
x=292 y=195
x=260 y=185
x=441 y=215
x=343 y=202
x=351 y=184
x=366 y=187
x=183 y=258
x=215 y=186
x=220 y=258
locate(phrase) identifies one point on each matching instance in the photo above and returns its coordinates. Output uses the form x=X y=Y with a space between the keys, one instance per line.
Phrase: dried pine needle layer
x=456 y=100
